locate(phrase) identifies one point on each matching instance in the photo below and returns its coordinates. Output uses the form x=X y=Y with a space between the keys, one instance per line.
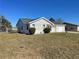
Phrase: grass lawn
x=44 y=46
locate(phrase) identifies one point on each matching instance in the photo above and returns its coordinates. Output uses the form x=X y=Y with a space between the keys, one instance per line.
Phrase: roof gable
x=43 y=19
x=24 y=20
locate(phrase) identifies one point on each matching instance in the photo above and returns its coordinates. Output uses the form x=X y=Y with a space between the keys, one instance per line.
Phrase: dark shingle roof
x=70 y=24
x=55 y=22
x=25 y=20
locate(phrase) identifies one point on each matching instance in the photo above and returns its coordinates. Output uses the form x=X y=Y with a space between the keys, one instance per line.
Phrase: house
x=71 y=27
x=77 y=28
x=39 y=24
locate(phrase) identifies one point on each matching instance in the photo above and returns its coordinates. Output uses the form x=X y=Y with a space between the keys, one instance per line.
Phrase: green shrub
x=47 y=30
x=31 y=31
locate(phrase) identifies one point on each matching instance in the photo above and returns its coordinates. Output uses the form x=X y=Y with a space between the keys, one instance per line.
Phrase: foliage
x=31 y=31
x=6 y=23
x=52 y=19
x=60 y=21
x=47 y=30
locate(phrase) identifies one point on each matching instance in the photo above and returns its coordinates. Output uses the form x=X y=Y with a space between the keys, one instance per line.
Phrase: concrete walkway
x=73 y=32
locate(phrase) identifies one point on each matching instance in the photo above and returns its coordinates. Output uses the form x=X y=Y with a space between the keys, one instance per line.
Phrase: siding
x=70 y=27
x=39 y=25
x=60 y=28
x=77 y=28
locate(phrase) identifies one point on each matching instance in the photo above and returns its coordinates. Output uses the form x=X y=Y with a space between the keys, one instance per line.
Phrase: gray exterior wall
x=22 y=27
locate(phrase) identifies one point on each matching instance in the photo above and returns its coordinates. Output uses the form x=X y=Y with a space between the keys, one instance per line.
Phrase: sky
x=68 y=10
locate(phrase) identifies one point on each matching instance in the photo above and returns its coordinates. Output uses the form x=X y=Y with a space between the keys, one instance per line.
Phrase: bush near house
x=31 y=31
x=47 y=30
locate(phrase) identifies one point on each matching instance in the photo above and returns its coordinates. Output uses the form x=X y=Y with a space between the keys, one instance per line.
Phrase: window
x=71 y=28
x=21 y=27
x=44 y=25
x=33 y=25
x=27 y=26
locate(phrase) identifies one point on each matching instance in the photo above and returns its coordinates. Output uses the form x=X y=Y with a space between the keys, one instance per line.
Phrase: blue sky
x=15 y=9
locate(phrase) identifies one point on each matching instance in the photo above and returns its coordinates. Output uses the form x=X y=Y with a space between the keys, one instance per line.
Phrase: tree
x=6 y=24
x=52 y=19
x=60 y=21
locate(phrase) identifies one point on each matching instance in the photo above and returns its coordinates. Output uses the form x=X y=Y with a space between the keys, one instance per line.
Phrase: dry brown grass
x=45 y=46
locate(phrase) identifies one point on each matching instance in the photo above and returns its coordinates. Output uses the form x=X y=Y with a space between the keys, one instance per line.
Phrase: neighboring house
x=39 y=24
x=77 y=28
x=71 y=27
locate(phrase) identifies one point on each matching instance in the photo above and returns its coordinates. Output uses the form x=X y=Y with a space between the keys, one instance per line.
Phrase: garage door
x=59 y=29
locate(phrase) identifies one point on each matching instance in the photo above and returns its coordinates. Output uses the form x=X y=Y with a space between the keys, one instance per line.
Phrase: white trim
x=43 y=19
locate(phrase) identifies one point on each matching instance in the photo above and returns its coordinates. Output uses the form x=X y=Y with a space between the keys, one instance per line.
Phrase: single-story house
x=39 y=24
x=77 y=28
x=71 y=27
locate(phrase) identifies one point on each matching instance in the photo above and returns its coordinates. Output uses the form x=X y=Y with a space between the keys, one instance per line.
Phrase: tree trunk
x=6 y=29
